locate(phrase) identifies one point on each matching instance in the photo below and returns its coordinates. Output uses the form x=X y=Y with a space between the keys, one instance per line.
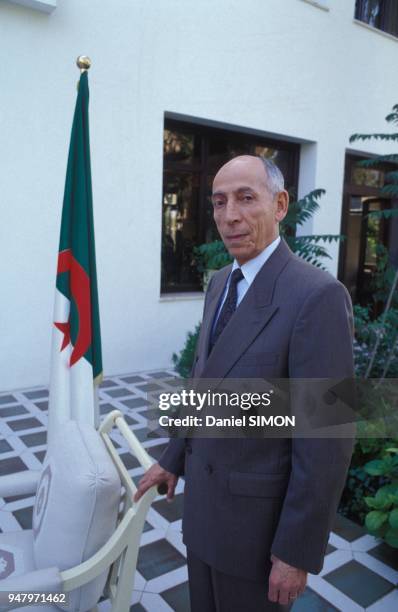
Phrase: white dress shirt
x=250 y=270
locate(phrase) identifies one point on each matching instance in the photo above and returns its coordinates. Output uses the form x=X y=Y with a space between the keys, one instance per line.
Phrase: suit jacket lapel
x=252 y=315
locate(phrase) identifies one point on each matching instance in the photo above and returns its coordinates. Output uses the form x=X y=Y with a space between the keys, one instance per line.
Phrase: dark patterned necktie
x=228 y=308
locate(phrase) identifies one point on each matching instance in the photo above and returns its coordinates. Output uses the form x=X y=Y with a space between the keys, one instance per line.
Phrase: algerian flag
x=76 y=362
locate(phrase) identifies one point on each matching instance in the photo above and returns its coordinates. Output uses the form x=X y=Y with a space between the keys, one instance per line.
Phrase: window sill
x=376 y=30
x=45 y=6
x=319 y=5
x=182 y=297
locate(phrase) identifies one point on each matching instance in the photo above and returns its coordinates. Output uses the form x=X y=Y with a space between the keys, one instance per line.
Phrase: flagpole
x=83 y=62
x=76 y=361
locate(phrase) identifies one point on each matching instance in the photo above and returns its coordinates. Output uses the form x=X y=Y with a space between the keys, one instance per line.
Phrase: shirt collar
x=253 y=266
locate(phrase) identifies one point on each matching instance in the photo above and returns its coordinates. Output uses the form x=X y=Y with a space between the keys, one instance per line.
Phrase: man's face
x=245 y=212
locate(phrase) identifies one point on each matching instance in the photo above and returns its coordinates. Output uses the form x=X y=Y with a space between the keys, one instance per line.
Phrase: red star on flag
x=65 y=329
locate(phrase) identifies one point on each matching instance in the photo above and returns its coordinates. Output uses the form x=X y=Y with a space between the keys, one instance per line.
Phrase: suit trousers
x=214 y=591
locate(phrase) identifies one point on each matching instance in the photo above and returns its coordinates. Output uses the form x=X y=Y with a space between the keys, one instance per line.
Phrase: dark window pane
x=392 y=17
x=211 y=232
x=180 y=147
x=353 y=251
x=224 y=146
x=369 y=11
x=355 y=204
x=180 y=231
x=239 y=147
x=367 y=176
x=268 y=152
x=280 y=157
x=381 y=14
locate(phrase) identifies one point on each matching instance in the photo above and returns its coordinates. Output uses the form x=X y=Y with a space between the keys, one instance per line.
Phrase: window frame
x=350 y=189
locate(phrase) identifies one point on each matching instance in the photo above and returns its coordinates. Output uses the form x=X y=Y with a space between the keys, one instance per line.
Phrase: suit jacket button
x=330 y=397
x=209 y=468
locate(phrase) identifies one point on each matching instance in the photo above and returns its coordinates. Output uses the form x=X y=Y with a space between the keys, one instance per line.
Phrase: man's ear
x=282 y=205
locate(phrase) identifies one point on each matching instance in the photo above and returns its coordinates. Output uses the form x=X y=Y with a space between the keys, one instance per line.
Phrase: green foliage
x=211 y=256
x=376 y=338
x=382 y=519
x=307 y=247
x=371 y=491
x=303 y=210
x=383 y=279
x=383 y=329
x=390 y=187
x=361 y=484
x=370 y=495
x=358 y=485
x=184 y=361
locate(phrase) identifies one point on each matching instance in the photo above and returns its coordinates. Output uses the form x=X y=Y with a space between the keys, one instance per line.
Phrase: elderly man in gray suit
x=258 y=512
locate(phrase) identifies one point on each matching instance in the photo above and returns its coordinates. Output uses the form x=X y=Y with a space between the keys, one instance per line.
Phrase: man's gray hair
x=275 y=180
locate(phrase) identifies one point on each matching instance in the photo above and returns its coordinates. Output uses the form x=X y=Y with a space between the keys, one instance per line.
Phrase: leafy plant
x=390 y=187
x=382 y=520
x=211 y=256
x=307 y=246
x=384 y=331
x=371 y=491
x=359 y=484
x=383 y=279
x=184 y=360
x=382 y=359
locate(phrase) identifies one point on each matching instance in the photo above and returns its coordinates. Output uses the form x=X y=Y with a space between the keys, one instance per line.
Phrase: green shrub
x=383 y=330
x=382 y=520
x=359 y=483
x=184 y=360
x=211 y=256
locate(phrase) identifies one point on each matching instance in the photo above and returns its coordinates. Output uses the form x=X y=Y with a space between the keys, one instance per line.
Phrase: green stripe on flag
x=77 y=236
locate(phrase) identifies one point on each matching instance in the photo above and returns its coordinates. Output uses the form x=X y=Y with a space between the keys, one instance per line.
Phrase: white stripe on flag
x=72 y=392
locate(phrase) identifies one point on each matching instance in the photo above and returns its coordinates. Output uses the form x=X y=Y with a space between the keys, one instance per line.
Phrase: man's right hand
x=154 y=476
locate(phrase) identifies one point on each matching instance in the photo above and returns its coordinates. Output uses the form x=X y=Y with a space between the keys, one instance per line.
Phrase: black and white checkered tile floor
x=360 y=573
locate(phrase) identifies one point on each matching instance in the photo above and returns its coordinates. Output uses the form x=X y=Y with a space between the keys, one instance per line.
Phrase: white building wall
x=282 y=67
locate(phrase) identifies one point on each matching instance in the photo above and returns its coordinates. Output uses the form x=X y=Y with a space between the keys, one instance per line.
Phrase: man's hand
x=154 y=476
x=286 y=582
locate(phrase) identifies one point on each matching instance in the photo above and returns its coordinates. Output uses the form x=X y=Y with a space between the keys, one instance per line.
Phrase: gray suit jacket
x=247 y=498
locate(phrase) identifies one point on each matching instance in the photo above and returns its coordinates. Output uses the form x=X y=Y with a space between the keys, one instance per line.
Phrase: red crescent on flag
x=80 y=290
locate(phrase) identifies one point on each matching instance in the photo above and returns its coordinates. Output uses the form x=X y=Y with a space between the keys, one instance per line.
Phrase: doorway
x=359 y=255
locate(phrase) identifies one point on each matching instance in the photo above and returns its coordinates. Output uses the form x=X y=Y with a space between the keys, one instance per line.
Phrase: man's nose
x=232 y=212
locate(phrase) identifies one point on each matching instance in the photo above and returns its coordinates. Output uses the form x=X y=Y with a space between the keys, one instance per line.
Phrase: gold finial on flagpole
x=83 y=62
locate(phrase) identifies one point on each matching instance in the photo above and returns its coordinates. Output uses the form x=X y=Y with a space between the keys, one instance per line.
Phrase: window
x=381 y=14
x=192 y=155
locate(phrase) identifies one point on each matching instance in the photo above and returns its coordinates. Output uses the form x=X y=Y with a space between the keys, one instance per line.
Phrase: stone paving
x=360 y=572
